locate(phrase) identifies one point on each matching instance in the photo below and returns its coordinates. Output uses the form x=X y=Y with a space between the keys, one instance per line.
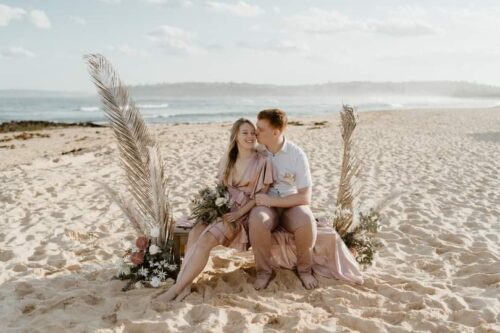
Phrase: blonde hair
x=232 y=149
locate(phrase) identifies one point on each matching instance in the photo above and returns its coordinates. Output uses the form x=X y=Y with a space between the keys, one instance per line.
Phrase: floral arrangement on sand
x=210 y=204
x=359 y=236
x=145 y=204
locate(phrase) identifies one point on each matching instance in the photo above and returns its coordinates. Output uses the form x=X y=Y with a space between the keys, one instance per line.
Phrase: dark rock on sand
x=33 y=125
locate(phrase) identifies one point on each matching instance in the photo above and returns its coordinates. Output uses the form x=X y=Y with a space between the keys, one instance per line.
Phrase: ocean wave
x=378 y=105
x=153 y=106
x=200 y=115
x=89 y=108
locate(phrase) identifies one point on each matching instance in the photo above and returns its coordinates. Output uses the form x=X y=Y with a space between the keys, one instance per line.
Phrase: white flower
x=138 y=285
x=155 y=232
x=220 y=201
x=124 y=270
x=172 y=267
x=162 y=275
x=153 y=249
x=155 y=282
x=134 y=248
x=143 y=271
x=119 y=263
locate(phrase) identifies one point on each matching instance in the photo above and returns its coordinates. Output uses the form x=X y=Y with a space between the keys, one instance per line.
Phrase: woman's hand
x=231 y=217
x=263 y=200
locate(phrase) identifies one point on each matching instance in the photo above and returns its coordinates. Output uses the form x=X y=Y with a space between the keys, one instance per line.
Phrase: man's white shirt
x=290 y=169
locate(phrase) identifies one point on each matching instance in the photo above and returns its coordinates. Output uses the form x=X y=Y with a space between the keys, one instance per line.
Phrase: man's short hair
x=276 y=117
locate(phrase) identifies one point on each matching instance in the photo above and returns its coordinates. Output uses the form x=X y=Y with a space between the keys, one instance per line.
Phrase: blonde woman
x=245 y=172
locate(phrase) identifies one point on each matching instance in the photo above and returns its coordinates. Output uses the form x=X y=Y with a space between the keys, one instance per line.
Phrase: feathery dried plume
x=129 y=209
x=349 y=170
x=139 y=153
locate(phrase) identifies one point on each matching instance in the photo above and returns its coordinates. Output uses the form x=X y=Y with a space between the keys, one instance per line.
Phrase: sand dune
x=434 y=173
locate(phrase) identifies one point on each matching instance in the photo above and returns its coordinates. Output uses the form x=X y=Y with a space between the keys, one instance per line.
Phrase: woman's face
x=246 y=136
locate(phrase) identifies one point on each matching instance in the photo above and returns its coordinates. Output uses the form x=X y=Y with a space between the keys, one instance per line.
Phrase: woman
x=245 y=172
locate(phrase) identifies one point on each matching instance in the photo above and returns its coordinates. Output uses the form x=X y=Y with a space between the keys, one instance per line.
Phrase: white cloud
x=127 y=50
x=15 y=52
x=10 y=13
x=240 y=8
x=279 y=46
x=173 y=3
x=321 y=21
x=408 y=12
x=175 y=40
x=474 y=20
x=317 y=20
x=78 y=20
x=403 y=27
x=39 y=19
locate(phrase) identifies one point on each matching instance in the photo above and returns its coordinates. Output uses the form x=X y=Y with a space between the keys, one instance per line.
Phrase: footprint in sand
x=6 y=255
x=18 y=268
x=23 y=289
x=39 y=254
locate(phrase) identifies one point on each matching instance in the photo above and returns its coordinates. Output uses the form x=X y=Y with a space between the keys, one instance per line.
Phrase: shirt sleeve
x=302 y=173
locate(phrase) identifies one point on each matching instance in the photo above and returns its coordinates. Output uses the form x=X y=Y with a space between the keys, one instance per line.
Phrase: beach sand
x=434 y=175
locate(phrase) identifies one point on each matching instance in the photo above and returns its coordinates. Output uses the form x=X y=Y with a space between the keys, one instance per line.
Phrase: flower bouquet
x=148 y=263
x=209 y=204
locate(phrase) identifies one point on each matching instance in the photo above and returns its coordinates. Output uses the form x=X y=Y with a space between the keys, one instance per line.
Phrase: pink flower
x=137 y=257
x=142 y=242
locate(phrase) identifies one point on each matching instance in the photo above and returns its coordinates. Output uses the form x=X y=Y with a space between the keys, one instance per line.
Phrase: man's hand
x=231 y=217
x=263 y=200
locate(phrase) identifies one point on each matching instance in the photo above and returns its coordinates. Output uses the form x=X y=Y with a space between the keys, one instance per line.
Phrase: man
x=287 y=201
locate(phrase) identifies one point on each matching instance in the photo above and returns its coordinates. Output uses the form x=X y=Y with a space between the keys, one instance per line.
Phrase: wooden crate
x=180 y=239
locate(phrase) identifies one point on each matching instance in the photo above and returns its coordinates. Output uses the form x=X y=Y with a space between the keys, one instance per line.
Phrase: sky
x=279 y=42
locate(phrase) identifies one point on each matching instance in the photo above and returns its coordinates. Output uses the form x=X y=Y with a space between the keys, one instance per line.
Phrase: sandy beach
x=433 y=174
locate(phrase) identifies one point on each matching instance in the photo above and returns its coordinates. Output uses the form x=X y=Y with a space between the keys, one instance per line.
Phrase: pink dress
x=331 y=257
x=257 y=175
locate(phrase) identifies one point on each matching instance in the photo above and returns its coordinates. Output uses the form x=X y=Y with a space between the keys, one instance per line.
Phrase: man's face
x=266 y=134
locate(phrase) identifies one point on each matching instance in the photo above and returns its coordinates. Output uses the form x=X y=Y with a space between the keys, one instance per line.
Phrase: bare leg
x=300 y=222
x=192 y=267
x=193 y=236
x=261 y=222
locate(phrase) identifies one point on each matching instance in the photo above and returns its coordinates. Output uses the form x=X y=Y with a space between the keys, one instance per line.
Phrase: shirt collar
x=283 y=149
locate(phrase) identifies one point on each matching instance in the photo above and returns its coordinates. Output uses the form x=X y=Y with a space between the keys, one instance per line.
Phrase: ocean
x=196 y=110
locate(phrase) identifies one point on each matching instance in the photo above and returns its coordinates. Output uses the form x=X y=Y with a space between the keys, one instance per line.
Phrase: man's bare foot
x=262 y=280
x=308 y=280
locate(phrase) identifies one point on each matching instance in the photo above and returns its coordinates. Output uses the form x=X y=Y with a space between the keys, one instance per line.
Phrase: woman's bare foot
x=183 y=294
x=169 y=295
x=308 y=280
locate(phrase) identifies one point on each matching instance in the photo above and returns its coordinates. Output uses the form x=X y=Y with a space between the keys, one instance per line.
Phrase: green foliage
x=362 y=237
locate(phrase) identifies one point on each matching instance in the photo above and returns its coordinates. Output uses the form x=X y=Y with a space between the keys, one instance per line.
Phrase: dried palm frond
x=129 y=208
x=139 y=153
x=349 y=170
x=161 y=207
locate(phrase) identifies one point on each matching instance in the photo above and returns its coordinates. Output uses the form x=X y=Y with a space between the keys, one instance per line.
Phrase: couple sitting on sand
x=267 y=188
